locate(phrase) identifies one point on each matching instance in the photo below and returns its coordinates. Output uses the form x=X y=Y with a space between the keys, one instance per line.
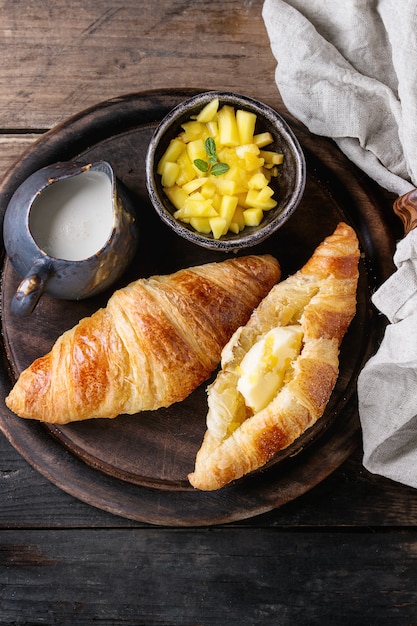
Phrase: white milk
x=72 y=219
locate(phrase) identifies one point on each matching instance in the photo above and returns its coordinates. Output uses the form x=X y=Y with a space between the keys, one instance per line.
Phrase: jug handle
x=31 y=288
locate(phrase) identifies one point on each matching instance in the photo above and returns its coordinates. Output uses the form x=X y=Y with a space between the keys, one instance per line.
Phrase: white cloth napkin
x=348 y=71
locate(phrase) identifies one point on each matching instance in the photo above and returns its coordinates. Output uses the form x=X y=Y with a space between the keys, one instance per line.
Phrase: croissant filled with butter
x=153 y=344
x=279 y=370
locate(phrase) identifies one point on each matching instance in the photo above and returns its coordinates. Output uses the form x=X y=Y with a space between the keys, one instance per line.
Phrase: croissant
x=278 y=372
x=153 y=344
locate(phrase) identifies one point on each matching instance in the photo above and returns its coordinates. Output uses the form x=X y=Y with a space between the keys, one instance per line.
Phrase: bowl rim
x=241 y=239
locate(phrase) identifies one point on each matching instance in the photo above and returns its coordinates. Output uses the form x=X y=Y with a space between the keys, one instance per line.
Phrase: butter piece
x=263 y=368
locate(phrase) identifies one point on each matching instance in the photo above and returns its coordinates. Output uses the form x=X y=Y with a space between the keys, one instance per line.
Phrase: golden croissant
x=279 y=370
x=152 y=345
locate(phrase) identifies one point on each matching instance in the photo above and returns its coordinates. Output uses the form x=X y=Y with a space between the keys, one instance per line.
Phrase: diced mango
x=182 y=214
x=216 y=201
x=267 y=205
x=198 y=208
x=227 y=209
x=225 y=186
x=228 y=132
x=194 y=184
x=253 y=217
x=175 y=148
x=208 y=112
x=201 y=224
x=252 y=162
x=193 y=130
x=257 y=181
x=239 y=218
x=170 y=172
x=245 y=121
x=209 y=188
x=254 y=198
x=212 y=129
x=265 y=193
x=217 y=225
x=243 y=149
x=187 y=170
x=275 y=158
x=234 y=228
x=238 y=196
x=196 y=150
x=177 y=196
x=263 y=139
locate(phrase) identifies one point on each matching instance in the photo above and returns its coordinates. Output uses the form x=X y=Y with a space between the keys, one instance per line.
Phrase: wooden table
x=342 y=553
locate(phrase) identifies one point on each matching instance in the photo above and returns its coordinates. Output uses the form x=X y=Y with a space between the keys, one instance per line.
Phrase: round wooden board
x=137 y=466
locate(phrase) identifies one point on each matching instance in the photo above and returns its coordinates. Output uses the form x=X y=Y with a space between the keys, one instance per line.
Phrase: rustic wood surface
x=342 y=553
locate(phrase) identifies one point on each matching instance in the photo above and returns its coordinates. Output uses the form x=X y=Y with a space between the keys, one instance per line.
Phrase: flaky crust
x=322 y=298
x=154 y=343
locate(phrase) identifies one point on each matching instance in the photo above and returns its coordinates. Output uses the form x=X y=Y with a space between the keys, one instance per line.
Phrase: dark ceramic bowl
x=289 y=184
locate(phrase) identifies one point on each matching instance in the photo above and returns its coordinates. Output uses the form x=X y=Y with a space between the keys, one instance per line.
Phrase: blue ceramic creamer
x=70 y=231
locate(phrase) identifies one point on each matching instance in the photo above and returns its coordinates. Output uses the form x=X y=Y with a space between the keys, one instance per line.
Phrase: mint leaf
x=219 y=168
x=201 y=165
x=212 y=166
x=210 y=146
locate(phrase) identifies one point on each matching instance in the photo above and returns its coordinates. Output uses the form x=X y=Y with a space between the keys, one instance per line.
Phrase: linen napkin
x=349 y=71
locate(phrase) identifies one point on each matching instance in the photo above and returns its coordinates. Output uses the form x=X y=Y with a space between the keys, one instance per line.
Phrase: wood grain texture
x=210 y=578
x=72 y=55
x=350 y=498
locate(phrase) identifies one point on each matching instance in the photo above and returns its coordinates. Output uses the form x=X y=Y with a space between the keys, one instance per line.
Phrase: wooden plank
x=207 y=578
x=12 y=147
x=73 y=55
x=349 y=498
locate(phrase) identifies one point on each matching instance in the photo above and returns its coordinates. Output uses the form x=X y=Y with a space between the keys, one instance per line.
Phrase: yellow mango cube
x=225 y=186
x=216 y=201
x=196 y=150
x=254 y=199
x=198 y=208
x=175 y=148
x=253 y=217
x=208 y=189
x=177 y=196
x=227 y=209
x=269 y=204
x=238 y=218
x=201 y=224
x=257 y=181
x=180 y=214
x=187 y=170
x=170 y=172
x=209 y=111
x=273 y=158
x=193 y=130
x=194 y=184
x=228 y=132
x=245 y=121
x=212 y=129
x=218 y=226
x=263 y=139
x=243 y=149
x=252 y=162
x=265 y=193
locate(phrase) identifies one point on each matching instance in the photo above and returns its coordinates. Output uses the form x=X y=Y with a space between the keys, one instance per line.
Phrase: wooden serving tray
x=137 y=466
